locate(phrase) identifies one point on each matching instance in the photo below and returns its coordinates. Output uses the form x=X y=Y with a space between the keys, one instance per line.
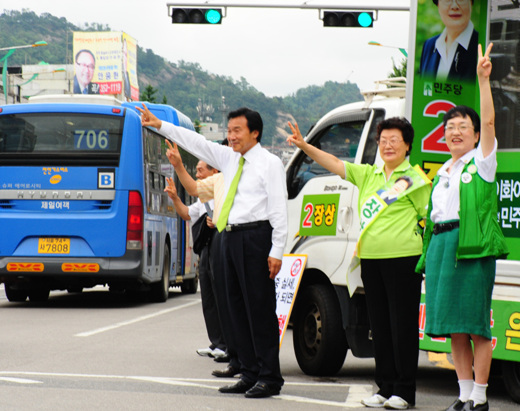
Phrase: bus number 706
x=91 y=139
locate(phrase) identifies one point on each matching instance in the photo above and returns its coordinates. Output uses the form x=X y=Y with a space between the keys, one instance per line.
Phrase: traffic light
x=348 y=19
x=196 y=16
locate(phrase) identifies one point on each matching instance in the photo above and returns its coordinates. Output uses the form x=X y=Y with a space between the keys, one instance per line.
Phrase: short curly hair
x=401 y=124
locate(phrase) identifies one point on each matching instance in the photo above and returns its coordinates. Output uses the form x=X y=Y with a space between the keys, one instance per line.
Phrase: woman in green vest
x=462 y=241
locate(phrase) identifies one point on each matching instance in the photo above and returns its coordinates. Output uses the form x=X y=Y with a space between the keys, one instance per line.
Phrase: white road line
x=20 y=380
x=135 y=320
x=355 y=391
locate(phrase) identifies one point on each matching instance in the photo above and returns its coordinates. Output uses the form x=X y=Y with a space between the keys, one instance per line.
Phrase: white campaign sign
x=287 y=282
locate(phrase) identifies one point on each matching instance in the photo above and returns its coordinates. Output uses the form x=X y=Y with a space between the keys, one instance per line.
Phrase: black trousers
x=219 y=288
x=393 y=293
x=250 y=303
x=209 y=302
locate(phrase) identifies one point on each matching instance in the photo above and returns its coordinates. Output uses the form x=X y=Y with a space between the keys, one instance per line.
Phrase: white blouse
x=446 y=194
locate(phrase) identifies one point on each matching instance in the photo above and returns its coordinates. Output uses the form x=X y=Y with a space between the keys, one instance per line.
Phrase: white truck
x=330 y=315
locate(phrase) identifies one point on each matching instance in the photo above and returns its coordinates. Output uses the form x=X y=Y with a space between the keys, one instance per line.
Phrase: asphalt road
x=100 y=351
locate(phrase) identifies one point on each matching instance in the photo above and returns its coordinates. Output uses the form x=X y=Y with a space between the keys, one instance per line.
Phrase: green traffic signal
x=196 y=16
x=365 y=19
x=348 y=19
x=213 y=16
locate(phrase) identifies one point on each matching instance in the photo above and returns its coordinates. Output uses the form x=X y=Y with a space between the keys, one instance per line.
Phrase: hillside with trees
x=181 y=84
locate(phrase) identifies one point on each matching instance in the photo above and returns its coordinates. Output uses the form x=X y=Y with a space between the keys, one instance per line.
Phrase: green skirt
x=458 y=292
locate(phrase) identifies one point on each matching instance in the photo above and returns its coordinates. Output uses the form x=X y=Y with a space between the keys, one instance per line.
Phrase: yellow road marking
x=440 y=359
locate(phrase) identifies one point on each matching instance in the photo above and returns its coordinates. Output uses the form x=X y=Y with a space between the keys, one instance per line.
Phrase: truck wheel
x=39 y=295
x=160 y=290
x=511 y=377
x=15 y=295
x=319 y=339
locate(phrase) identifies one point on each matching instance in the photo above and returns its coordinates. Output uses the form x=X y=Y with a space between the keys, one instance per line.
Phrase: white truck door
x=323 y=218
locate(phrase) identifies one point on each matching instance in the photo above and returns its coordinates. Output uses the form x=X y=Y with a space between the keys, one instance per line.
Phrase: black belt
x=442 y=228
x=247 y=226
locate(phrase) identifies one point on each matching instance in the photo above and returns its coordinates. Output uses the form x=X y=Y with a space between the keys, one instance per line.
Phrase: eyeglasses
x=86 y=66
x=392 y=142
x=449 y=2
x=461 y=127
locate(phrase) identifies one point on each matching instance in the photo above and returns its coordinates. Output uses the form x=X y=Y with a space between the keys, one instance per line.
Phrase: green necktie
x=228 y=202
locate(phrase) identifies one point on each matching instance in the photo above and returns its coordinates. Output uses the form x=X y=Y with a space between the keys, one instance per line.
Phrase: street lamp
x=375 y=43
x=37 y=44
x=11 y=51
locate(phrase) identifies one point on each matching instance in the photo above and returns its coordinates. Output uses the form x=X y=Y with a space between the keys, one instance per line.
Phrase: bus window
x=42 y=138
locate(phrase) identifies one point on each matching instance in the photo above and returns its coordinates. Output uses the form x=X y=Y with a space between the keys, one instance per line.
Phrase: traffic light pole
x=208 y=4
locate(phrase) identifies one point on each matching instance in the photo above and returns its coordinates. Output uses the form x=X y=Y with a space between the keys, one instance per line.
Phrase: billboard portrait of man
x=85 y=64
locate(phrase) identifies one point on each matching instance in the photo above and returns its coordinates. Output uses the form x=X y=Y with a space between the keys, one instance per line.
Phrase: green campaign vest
x=479 y=232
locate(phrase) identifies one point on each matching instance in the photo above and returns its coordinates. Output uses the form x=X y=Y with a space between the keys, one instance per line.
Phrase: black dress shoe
x=458 y=405
x=470 y=406
x=262 y=390
x=239 y=388
x=228 y=372
x=222 y=358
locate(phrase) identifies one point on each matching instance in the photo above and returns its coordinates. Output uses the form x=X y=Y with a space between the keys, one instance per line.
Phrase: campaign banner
x=319 y=215
x=287 y=282
x=130 y=84
x=105 y=63
x=504 y=319
x=444 y=71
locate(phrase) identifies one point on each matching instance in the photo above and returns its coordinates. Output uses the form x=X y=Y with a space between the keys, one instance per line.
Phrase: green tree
x=400 y=70
x=149 y=94
x=197 y=126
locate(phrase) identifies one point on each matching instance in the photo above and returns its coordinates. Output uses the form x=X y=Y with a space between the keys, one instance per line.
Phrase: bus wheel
x=15 y=295
x=160 y=290
x=511 y=377
x=319 y=340
x=39 y=295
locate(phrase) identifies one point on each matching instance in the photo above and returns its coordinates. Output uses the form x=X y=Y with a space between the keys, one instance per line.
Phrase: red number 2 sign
x=434 y=142
x=307 y=220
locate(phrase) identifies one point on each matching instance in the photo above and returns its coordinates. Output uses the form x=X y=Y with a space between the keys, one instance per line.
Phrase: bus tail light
x=134 y=233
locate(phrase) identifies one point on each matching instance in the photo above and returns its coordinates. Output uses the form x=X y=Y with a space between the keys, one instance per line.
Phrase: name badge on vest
x=466 y=178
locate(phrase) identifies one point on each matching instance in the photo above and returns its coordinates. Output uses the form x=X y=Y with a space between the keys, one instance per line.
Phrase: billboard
x=445 y=61
x=105 y=63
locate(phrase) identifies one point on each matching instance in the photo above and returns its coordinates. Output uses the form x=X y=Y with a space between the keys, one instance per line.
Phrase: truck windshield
x=340 y=139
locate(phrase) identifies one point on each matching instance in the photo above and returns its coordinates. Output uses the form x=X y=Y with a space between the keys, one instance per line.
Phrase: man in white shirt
x=251 y=245
x=193 y=213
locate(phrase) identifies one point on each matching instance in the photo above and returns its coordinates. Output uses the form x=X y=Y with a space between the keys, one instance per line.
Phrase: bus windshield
x=71 y=138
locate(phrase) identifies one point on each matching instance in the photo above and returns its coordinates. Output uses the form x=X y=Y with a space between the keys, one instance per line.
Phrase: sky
x=277 y=51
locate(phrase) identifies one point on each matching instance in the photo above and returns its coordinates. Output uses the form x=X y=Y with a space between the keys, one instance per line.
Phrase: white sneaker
x=375 y=401
x=205 y=352
x=396 y=403
x=217 y=353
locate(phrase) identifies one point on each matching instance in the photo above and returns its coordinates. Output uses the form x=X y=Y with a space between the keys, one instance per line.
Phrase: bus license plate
x=53 y=245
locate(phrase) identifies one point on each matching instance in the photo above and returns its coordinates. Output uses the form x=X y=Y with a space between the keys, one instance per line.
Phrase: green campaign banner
x=505 y=331
x=508 y=192
x=444 y=72
x=319 y=215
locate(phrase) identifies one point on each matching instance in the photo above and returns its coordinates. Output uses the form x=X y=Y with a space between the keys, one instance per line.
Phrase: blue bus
x=82 y=200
